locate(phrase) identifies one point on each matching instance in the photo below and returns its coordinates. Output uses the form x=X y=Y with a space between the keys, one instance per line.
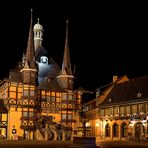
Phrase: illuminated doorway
x=115 y=130
x=26 y=135
x=107 y=130
x=3 y=132
x=139 y=130
x=124 y=130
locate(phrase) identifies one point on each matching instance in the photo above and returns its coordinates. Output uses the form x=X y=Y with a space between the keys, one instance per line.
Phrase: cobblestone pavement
x=40 y=144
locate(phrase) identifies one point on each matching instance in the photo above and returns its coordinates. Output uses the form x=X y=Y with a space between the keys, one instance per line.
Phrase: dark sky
x=105 y=39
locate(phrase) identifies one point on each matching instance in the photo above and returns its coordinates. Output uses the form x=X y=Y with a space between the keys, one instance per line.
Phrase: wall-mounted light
x=87 y=124
x=97 y=124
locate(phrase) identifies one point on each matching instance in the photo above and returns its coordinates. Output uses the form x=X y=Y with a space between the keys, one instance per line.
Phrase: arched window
x=115 y=130
x=124 y=132
x=107 y=130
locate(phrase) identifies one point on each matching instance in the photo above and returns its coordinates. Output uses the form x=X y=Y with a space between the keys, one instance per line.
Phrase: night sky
x=105 y=39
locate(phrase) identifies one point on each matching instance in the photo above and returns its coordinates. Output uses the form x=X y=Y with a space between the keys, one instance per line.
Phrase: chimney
x=115 y=78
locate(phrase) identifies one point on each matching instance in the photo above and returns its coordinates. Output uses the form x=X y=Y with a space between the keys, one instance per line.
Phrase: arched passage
x=115 y=130
x=124 y=130
x=107 y=130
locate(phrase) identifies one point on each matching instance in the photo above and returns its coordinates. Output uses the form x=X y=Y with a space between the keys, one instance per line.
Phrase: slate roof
x=2 y=107
x=40 y=52
x=134 y=90
x=15 y=75
x=51 y=84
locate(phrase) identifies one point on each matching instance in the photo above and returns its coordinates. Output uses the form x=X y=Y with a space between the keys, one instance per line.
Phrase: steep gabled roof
x=134 y=90
x=106 y=87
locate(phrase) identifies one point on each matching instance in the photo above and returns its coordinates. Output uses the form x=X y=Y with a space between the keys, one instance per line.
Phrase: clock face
x=44 y=59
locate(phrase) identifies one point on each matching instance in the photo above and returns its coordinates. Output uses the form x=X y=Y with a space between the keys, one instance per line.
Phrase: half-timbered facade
x=37 y=100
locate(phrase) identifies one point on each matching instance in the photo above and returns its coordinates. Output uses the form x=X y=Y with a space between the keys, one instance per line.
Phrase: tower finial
x=38 y=20
x=31 y=15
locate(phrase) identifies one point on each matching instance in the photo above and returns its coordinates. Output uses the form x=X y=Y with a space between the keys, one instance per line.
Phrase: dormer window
x=139 y=94
x=109 y=100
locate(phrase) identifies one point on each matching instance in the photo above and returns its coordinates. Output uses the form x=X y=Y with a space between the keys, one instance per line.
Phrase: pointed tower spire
x=29 y=70
x=30 y=59
x=66 y=66
x=66 y=78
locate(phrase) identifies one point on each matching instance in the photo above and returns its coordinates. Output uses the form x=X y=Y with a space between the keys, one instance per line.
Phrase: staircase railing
x=49 y=132
x=42 y=130
x=59 y=131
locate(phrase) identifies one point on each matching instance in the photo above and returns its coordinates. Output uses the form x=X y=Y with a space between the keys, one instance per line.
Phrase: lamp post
x=84 y=120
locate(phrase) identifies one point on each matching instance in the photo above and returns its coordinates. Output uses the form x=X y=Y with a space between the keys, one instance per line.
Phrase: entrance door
x=3 y=133
x=138 y=130
x=26 y=135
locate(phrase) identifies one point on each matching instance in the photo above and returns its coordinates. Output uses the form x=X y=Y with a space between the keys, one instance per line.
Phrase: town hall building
x=37 y=100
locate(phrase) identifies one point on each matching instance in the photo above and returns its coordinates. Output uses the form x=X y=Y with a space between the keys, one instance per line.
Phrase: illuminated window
x=70 y=97
x=69 y=116
x=127 y=109
x=26 y=92
x=64 y=96
x=63 y=116
x=121 y=110
x=86 y=108
x=4 y=117
x=53 y=98
x=134 y=108
x=25 y=114
x=58 y=94
x=32 y=93
x=43 y=92
x=48 y=98
x=141 y=107
x=106 y=111
x=28 y=114
x=115 y=110
x=102 y=112
x=110 y=110
x=31 y=114
x=53 y=93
